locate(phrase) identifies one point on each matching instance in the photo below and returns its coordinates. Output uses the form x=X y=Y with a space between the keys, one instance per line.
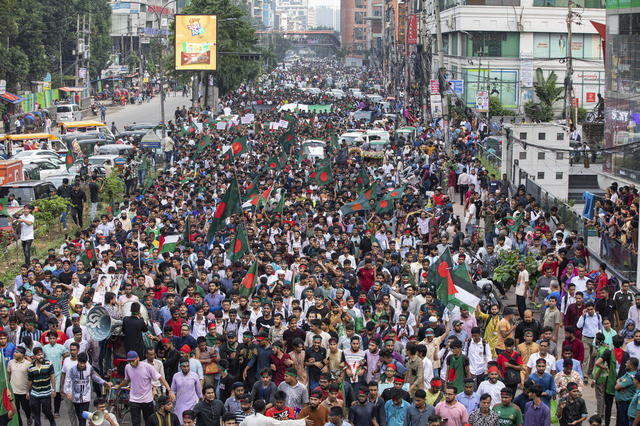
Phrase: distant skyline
x=329 y=3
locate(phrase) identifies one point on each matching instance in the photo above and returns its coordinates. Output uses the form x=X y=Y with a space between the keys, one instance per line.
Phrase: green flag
x=384 y=205
x=396 y=193
x=454 y=283
x=513 y=223
x=363 y=180
x=7 y=392
x=239 y=145
x=3 y=207
x=69 y=159
x=229 y=205
x=239 y=245
x=323 y=175
x=286 y=140
x=253 y=189
x=250 y=280
x=274 y=163
x=280 y=206
x=360 y=204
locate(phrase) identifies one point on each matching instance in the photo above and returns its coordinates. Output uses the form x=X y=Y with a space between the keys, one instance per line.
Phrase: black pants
x=56 y=402
x=522 y=305
x=26 y=249
x=79 y=408
x=608 y=403
x=137 y=409
x=76 y=215
x=500 y=287
x=622 y=418
x=44 y=404
x=22 y=402
x=463 y=192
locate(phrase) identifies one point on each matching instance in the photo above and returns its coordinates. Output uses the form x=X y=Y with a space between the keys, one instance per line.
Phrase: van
x=116 y=149
x=28 y=191
x=68 y=112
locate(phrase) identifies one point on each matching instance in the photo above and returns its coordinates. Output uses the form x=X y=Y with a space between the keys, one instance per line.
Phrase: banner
x=283 y=124
x=247 y=119
x=221 y=125
x=482 y=101
x=412 y=29
x=434 y=87
x=196 y=37
x=436 y=105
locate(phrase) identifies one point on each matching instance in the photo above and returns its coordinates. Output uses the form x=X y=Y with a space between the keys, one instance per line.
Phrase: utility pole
x=84 y=47
x=77 y=55
x=87 y=54
x=568 y=99
x=441 y=75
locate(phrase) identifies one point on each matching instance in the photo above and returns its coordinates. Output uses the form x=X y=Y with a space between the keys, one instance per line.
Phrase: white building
x=498 y=44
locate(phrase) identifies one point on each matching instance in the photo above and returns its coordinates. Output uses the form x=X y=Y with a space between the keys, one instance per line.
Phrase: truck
x=10 y=171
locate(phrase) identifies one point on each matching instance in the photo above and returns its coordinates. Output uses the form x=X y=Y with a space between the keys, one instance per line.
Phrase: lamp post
x=160 y=70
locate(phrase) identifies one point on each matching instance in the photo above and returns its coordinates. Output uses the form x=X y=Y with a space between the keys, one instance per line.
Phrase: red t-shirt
x=286 y=414
x=366 y=278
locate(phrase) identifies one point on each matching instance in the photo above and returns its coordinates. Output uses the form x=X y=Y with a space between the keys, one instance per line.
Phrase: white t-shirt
x=523 y=280
x=26 y=231
x=533 y=359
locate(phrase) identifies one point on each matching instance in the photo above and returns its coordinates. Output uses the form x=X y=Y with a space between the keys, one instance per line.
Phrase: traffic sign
x=456 y=86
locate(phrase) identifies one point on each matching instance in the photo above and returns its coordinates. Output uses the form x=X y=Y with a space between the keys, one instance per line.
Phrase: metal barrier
x=618 y=257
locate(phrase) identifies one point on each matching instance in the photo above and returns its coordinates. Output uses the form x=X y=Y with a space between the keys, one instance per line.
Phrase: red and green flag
x=360 y=204
x=186 y=232
x=384 y=205
x=280 y=206
x=205 y=142
x=394 y=194
x=252 y=189
x=112 y=207
x=88 y=256
x=7 y=392
x=3 y=207
x=229 y=205
x=239 y=145
x=250 y=280
x=323 y=175
x=286 y=140
x=335 y=147
x=513 y=223
x=274 y=163
x=69 y=159
x=239 y=245
x=371 y=192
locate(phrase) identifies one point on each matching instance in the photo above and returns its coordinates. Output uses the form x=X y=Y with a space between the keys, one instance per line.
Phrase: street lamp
x=160 y=70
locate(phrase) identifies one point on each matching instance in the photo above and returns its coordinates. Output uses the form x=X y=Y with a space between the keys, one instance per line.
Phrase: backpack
x=484 y=346
x=511 y=376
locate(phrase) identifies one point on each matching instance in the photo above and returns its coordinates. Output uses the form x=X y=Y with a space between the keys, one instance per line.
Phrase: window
x=558 y=175
x=523 y=136
x=540 y=175
x=359 y=18
x=560 y=136
x=542 y=136
x=559 y=155
x=523 y=155
x=541 y=155
x=554 y=46
x=496 y=44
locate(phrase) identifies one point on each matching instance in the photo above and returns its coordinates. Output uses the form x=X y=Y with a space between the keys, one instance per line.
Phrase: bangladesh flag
x=239 y=146
x=239 y=245
x=228 y=205
x=286 y=140
x=383 y=206
x=513 y=224
x=360 y=204
x=7 y=392
x=259 y=200
x=186 y=232
x=3 y=206
x=363 y=179
x=250 y=280
x=274 y=163
x=454 y=286
x=227 y=156
x=372 y=191
x=205 y=142
x=323 y=174
x=280 y=206
x=112 y=207
x=69 y=159
x=252 y=189
x=335 y=147
x=88 y=256
x=168 y=244
x=396 y=193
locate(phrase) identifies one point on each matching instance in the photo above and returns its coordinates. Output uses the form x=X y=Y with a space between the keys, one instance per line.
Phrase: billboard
x=412 y=29
x=196 y=37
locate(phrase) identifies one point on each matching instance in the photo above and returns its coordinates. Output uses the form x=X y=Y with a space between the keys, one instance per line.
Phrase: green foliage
x=507 y=271
x=496 y=109
x=132 y=61
x=546 y=89
x=538 y=112
x=48 y=211
x=112 y=187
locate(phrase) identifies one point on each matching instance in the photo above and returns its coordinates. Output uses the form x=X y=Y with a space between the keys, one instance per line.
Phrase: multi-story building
x=622 y=101
x=497 y=45
x=326 y=16
x=360 y=27
x=291 y=15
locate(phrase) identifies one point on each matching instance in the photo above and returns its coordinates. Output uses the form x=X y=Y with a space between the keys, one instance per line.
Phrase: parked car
x=140 y=126
x=28 y=191
x=116 y=149
x=39 y=153
x=68 y=112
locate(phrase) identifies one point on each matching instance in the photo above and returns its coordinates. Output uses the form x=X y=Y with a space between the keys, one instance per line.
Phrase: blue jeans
x=313 y=385
x=94 y=209
x=63 y=218
x=141 y=175
x=168 y=155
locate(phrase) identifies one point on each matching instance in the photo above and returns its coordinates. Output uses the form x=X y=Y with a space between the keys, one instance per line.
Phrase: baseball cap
x=132 y=355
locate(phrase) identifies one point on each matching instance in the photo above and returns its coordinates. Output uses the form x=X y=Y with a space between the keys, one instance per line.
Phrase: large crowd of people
x=250 y=283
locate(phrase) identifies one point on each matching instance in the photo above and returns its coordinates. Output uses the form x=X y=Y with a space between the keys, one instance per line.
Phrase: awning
x=11 y=98
x=602 y=30
x=72 y=89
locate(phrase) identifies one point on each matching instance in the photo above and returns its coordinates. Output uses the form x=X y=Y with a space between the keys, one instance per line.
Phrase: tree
x=538 y=112
x=133 y=60
x=496 y=109
x=546 y=89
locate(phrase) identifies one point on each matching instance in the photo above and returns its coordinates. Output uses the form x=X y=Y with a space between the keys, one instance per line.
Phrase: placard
x=221 y=125
x=196 y=42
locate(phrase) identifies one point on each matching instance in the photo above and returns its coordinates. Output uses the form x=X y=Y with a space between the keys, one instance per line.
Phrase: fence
x=490 y=158
x=613 y=253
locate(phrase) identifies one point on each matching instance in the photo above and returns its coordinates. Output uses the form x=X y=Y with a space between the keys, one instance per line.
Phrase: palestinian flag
x=383 y=206
x=250 y=280
x=280 y=206
x=274 y=163
x=454 y=286
x=363 y=179
x=360 y=204
x=513 y=224
x=228 y=205
x=69 y=159
x=88 y=256
x=239 y=245
x=323 y=174
x=239 y=146
x=3 y=206
x=396 y=193
x=372 y=191
x=168 y=244
x=7 y=392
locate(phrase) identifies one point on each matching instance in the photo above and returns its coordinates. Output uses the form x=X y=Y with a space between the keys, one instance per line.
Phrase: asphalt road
x=149 y=112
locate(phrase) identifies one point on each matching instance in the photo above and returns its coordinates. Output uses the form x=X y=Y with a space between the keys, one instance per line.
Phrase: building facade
x=496 y=45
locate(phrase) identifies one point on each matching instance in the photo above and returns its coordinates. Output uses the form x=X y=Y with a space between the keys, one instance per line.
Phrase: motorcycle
x=95 y=108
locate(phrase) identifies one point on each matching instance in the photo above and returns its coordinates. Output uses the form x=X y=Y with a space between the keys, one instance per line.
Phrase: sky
x=329 y=3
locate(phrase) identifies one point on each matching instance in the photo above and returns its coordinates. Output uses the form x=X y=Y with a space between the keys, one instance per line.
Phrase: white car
x=39 y=153
x=49 y=168
x=313 y=149
x=351 y=137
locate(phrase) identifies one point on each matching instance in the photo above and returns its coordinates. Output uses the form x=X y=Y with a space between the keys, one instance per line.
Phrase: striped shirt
x=40 y=378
